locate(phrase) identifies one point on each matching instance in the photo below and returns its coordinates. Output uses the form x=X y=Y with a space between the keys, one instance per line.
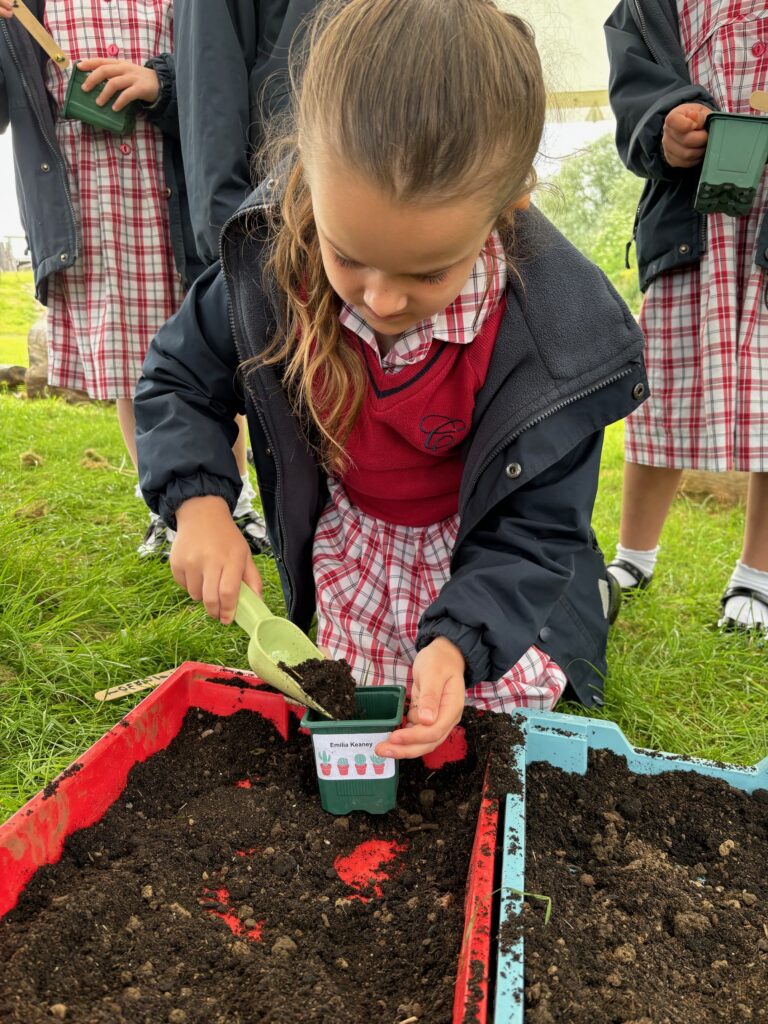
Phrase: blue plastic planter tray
x=565 y=741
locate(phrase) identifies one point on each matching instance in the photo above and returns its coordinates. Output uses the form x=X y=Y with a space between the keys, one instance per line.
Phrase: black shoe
x=254 y=529
x=727 y=623
x=614 y=599
x=643 y=581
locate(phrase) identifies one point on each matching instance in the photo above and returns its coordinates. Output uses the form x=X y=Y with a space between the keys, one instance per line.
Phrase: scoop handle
x=250 y=610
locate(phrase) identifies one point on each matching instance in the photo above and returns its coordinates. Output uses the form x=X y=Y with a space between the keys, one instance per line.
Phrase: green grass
x=79 y=612
x=18 y=311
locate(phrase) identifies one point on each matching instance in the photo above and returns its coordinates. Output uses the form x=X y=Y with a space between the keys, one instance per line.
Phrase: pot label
x=351 y=756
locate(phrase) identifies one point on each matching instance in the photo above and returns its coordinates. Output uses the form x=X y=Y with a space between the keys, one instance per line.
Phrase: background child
x=227 y=55
x=704 y=314
x=94 y=205
x=426 y=371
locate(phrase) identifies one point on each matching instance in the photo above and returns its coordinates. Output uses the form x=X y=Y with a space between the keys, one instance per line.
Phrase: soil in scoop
x=216 y=891
x=659 y=898
x=329 y=683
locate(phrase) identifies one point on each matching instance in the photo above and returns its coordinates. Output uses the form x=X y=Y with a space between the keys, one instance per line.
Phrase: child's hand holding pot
x=437 y=701
x=132 y=81
x=684 y=139
x=210 y=557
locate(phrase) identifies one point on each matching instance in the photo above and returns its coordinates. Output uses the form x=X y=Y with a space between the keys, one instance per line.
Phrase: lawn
x=79 y=611
x=18 y=311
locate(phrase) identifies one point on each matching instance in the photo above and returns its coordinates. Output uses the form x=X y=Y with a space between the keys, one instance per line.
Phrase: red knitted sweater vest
x=405 y=447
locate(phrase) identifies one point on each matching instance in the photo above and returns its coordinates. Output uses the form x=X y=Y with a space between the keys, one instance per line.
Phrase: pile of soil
x=216 y=890
x=659 y=898
x=329 y=683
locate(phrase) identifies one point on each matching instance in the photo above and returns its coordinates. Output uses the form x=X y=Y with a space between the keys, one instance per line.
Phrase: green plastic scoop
x=274 y=639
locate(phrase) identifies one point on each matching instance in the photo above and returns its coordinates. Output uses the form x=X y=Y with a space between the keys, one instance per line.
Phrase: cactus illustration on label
x=361 y=766
x=378 y=764
x=325 y=762
x=343 y=765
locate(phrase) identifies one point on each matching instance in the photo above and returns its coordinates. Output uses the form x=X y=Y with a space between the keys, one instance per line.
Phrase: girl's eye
x=344 y=262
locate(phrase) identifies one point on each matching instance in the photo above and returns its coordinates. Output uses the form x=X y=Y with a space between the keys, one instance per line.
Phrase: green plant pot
x=81 y=106
x=737 y=150
x=349 y=775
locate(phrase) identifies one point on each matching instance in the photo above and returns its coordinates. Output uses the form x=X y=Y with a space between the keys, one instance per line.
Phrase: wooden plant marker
x=150 y=682
x=38 y=33
x=759 y=101
x=136 y=686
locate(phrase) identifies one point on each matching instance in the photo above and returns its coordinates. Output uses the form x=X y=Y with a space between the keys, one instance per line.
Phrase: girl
x=427 y=369
x=105 y=215
x=704 y=314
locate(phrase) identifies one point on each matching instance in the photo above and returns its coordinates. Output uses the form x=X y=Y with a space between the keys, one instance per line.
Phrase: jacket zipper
x=511 y=438
x=44 y=133
x=262 y=421
x=644 y=30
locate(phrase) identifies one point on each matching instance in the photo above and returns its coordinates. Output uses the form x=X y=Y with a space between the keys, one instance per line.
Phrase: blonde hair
x=433 y=101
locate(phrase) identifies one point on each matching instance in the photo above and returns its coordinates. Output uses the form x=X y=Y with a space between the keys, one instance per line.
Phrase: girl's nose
x=383 y=300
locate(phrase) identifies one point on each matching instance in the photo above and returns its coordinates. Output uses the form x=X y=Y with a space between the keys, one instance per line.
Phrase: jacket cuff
x=166 y=81
x=181 y=489
x=469 y=641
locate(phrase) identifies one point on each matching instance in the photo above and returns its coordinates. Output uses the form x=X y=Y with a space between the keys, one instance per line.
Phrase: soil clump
x=329 y=683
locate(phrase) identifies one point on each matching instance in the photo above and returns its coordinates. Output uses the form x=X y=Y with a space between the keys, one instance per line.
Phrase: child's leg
x=755 y=551
x=745 y=602
x=127 y=421
x=648 y=494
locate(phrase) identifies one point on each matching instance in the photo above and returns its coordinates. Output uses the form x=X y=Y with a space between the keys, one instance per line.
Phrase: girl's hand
x=6 y=8
x=684 y=138
x=437 y=701
x=132 y=81
x=210 y=557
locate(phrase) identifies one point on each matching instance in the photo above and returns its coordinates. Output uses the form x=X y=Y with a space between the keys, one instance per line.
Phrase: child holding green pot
x=426 y=365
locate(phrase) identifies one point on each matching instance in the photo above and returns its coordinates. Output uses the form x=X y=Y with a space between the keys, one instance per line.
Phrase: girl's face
x=397 y=264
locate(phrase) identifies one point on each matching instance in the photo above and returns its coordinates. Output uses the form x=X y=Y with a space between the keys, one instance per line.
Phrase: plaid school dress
x=104 y=310
x=706 y=326
x=373 y=578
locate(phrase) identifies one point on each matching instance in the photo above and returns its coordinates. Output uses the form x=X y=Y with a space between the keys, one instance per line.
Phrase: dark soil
x=329 y=683
x=659 y=898
x=217 y=891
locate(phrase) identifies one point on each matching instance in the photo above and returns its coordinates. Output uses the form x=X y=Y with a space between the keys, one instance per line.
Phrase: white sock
x=644 y=560
x=744 y=609
x=245 y=501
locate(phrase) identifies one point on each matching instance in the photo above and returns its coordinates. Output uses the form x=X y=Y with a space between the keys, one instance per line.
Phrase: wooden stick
x=149 y=683
x=36 y=30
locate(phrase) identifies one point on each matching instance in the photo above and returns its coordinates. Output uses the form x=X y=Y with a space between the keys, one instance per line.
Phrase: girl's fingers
x=114 y=85
x=211 y=593
x=414 y=741
x=252 y=578
x=229 y=591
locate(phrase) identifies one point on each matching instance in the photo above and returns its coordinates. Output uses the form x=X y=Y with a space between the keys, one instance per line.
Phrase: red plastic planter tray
x=81 y=795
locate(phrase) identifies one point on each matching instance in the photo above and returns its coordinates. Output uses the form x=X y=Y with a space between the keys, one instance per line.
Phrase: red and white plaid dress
x=707 y=327
x=104 y=310
x=374 y=579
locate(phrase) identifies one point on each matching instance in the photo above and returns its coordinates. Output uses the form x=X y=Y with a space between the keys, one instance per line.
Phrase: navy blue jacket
x=526 y=567
x=232 y=74
x=649 y=77
x=42 y=189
